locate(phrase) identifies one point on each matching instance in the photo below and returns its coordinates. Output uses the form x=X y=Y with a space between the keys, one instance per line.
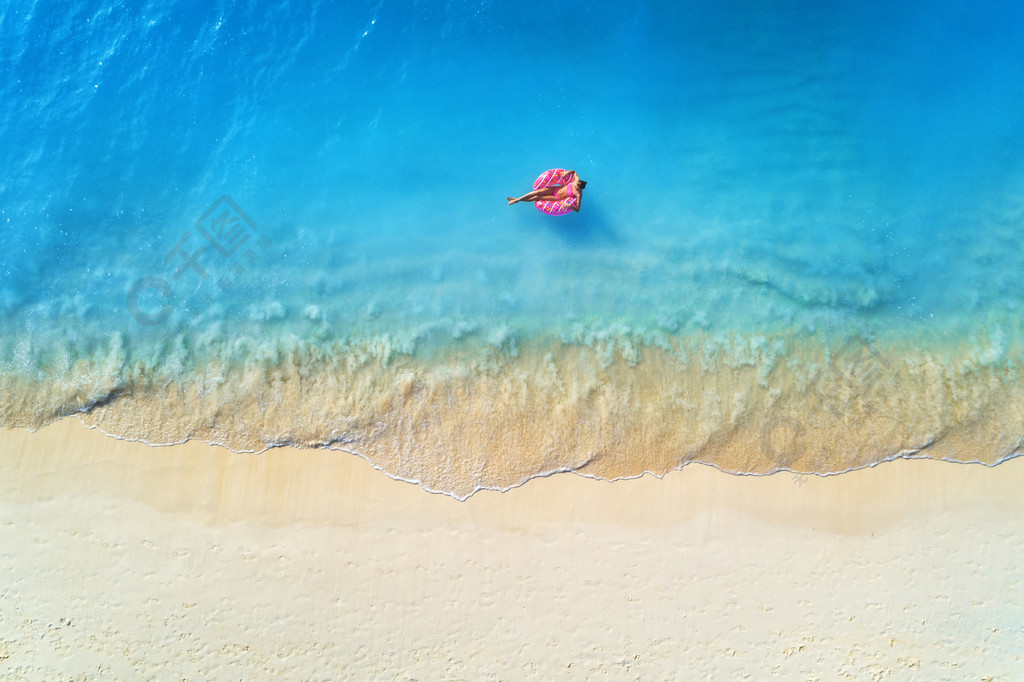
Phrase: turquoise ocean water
x=256 y=225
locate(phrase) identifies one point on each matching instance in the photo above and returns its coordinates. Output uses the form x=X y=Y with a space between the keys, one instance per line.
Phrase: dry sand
x=122 y=561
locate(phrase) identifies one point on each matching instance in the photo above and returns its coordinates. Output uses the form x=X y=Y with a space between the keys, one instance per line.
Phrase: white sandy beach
x=123 y=561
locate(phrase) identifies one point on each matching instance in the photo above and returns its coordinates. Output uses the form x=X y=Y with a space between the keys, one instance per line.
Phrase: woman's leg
x=542 y=194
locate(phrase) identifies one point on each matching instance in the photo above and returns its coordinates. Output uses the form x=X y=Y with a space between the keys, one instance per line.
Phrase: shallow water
x=255 y=226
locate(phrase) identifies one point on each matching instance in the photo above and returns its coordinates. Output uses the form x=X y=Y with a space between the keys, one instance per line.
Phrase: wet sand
x=124 y=560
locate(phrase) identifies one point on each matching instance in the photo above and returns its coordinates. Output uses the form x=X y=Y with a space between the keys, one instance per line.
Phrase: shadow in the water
x=590 y=227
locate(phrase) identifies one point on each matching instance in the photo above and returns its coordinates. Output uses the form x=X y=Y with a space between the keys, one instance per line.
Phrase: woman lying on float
x=556 y=192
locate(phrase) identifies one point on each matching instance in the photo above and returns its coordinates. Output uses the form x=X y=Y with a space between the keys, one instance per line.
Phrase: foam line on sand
x=124 y=560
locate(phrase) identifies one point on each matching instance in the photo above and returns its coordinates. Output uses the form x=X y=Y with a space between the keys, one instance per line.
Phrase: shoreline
x=127 y=560
x=210 y=484
x=605 y=407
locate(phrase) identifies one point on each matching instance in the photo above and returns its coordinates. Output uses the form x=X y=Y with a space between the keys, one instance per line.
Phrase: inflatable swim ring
x=555 y=177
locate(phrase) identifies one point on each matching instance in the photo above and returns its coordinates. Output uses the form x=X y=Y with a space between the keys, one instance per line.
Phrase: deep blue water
x=813 y=169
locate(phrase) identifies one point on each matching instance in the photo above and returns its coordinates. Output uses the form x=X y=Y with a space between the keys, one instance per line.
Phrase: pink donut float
x=555 y=177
